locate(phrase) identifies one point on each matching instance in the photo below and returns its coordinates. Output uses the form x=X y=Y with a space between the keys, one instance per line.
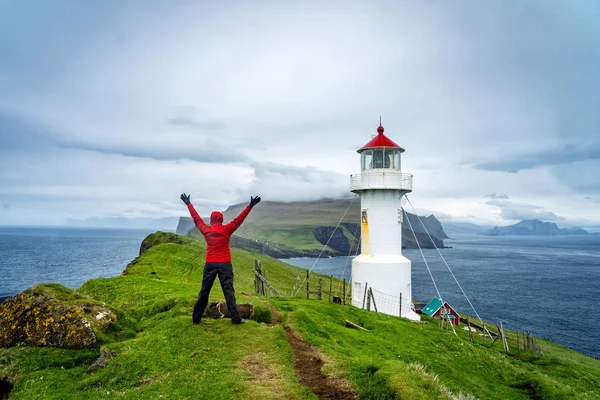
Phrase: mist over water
x=543 y=284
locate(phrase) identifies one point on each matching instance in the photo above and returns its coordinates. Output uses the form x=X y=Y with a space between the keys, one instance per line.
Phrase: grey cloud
x=194 y=117
x=195 y=123
x=520 y=214
x=519 y=211
x=287 y=183
x=20 y=134
x=24 y=134
x=442 y=216
x=569 y=153
x=496 y=196
x=449 y=81
x=581 y=177
x=210 y=152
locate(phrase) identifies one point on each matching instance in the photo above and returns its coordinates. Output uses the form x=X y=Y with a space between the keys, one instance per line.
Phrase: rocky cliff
x=184 y=225
x=431 y=223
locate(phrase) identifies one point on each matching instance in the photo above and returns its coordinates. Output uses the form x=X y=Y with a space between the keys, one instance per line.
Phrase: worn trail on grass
x=308 y=363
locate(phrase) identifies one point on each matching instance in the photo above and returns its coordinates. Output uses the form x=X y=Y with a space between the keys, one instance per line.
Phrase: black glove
x=254 y=201
x=185 y=198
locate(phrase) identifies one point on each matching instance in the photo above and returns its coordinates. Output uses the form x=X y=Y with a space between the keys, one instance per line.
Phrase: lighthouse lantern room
x=381 y=266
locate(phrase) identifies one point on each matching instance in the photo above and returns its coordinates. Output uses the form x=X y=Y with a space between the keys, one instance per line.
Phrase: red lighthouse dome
x=380 y=141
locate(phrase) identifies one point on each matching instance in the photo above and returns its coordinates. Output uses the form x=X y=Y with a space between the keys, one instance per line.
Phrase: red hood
x=216 y=218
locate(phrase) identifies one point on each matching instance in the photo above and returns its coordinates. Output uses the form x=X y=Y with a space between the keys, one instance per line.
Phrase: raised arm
x=237 y=221
x=198 y=221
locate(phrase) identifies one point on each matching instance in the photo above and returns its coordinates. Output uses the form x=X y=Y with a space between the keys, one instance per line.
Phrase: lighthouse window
x=367 y=159
x=378 y=158
x=396 y=157
x=392 y=159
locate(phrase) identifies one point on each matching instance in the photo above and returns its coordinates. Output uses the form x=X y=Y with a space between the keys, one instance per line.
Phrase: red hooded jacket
x=216 y=234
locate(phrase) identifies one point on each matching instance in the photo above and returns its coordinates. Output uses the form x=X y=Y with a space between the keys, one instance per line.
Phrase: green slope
x=158 y=353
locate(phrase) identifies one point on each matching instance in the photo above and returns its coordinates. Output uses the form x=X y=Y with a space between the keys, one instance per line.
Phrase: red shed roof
x=380 y=141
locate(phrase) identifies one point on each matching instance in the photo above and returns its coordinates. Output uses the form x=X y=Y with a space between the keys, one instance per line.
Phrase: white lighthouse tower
x=381 y=265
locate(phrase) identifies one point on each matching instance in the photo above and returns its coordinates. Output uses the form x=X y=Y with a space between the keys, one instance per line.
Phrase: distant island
x=535 y=227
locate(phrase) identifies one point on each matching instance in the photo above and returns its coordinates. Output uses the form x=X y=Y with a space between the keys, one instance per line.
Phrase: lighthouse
x=381 y=266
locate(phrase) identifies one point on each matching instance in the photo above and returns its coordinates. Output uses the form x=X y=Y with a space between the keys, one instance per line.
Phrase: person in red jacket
x=218 y=257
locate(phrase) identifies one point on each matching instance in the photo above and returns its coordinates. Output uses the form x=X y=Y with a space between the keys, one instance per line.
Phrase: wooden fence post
x=504 y=341
x=330 y=284
x=307 y=279
x=344 y=293
x=265 y=292
x=400 y=308
x=256 y=280
x=255 y=283
x=320 y=289
x=369 y=300
x=373 y=299
x=365 y=295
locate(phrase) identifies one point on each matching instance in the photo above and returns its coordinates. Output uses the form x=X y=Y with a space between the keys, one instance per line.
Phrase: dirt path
x=308 y=363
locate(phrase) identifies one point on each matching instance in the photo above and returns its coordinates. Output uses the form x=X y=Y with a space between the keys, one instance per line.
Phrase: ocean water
x=69 y=256
x=544 y=284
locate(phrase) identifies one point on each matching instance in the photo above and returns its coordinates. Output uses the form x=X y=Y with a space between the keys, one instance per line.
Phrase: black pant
x=225 y=272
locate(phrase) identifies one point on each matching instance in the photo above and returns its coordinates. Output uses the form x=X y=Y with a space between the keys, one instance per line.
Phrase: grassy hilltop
x=154 y=351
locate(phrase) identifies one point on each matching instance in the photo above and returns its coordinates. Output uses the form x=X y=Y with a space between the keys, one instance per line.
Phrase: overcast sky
x=113 y=108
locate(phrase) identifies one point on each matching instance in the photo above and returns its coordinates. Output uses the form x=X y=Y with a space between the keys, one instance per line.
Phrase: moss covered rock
x=49 y=315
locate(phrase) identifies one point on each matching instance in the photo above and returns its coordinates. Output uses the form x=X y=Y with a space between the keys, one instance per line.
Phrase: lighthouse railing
x=381 y=179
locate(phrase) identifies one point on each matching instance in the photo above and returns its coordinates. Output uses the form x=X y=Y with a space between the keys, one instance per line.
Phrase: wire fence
x=392 y=305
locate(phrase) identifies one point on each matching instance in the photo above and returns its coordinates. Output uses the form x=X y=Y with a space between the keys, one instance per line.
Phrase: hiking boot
x=241 y=321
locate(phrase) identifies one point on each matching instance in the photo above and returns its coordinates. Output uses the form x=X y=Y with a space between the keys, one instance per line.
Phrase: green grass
x=160 y=353
x=400 y=359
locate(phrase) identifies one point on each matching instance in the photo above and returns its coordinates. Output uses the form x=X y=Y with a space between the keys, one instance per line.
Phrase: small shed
x=438 y=309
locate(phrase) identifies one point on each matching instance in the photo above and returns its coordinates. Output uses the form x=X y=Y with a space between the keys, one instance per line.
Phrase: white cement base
x=389 y=277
